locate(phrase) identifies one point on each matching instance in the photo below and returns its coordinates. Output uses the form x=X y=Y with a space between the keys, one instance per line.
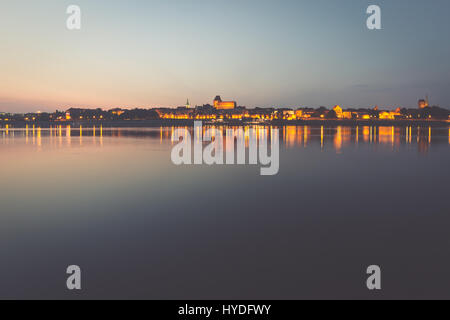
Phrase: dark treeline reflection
x=290 y=136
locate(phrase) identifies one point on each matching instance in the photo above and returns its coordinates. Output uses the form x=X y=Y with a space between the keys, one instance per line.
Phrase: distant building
x=423 y=103
x=363 y=115
x=307 y=113
x=186 y=106
x=339 y=113
x=390 y=115
x=386 y=115
x=117 y=111
x=347 y=115
x=288 y=114
x=224 y=105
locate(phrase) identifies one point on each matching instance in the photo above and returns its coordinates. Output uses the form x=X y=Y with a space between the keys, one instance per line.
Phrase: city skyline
x=158 y=53
x=421 y=103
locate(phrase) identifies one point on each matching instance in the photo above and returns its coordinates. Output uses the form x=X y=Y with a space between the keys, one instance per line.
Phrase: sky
x=261 y=53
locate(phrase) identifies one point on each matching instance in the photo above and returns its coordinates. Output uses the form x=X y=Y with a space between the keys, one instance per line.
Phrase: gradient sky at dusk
x=144 y=53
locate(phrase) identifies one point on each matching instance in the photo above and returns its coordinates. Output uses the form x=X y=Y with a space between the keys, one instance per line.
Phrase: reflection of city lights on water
x=357 y=135
x=321 y=137
x=429 y=134
x=339 y=137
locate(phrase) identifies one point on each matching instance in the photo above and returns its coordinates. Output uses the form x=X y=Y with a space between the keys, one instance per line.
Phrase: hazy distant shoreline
x=190 y=123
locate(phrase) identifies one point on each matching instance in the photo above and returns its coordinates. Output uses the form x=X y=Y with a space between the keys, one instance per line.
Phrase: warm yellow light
x=321 y=137
x=410 y=134
x=39 y=139
x=393 y=136
x=338 y=139
x=357 y=134
x=429 y=134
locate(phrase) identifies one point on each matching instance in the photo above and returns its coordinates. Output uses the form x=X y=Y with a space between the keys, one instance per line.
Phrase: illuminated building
x=117 y=112
x=224 y=105
x=308 y=113
x=389 y=115
x=288 y=115
x=423 y=104
x=339 y=113
x=397 y=113
x=347 y=115
x=384 y=115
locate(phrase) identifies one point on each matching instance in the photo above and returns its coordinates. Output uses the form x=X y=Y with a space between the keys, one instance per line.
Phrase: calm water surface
x=111 y=201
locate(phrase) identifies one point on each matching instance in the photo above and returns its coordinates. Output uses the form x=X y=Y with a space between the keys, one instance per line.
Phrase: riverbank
x=190 y=123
